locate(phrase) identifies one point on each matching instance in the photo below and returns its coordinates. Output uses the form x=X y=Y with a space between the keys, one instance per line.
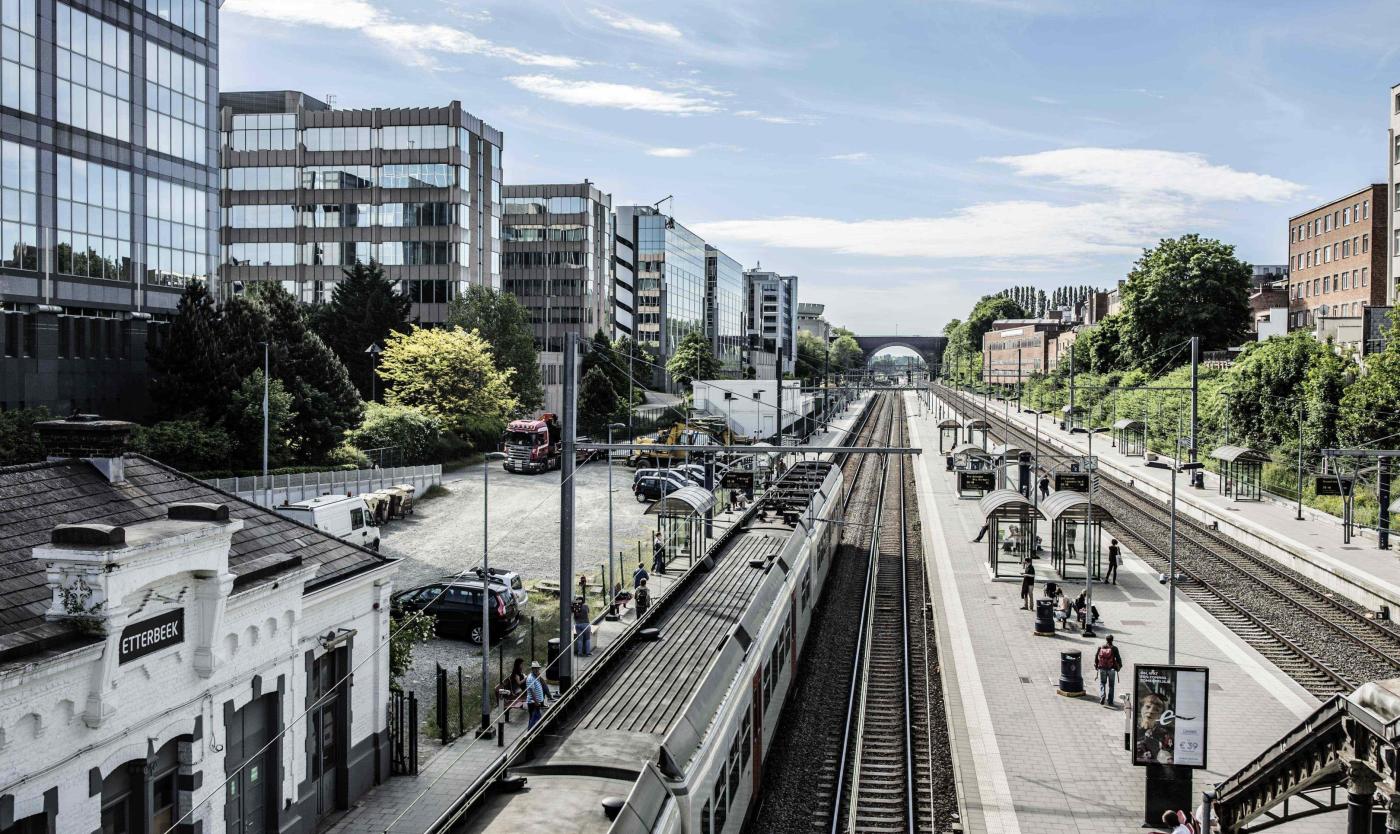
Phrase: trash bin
x=551 y=670
x=950 y=463
x=1071 y=679
x=1044 y=616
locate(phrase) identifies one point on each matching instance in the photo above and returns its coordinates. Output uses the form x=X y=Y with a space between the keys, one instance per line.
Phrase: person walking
x=1027 y=584
x=983 y=531
x=1044 y=486
x=1107 y=661
x=639 y=575
x=583 y=629
x=1115 y=558
x=512 y=691
x=536 y=693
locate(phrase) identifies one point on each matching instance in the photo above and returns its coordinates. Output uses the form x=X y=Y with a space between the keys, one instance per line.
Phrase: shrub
x=413 y=434
x=19 y=443
x=347 y=455
x=186 y=445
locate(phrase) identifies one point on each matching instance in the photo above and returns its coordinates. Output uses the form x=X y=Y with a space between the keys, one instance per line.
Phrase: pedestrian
x=1178 y=821
x=983 y=531
x=1062 y=607
x=642 y=597
x=1115 y=558
x=512 y=690
x=1044 y=486
x=658 y=553
x=536 y=693
x=1108 y=662
x=1027 y=584
x=639 y=575
x=583 y=628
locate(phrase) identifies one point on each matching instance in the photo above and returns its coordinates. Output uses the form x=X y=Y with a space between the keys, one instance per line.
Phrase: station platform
x=1313 y=546
x=1028 y=759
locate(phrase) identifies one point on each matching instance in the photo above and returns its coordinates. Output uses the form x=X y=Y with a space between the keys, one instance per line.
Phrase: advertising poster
x=1169 y=715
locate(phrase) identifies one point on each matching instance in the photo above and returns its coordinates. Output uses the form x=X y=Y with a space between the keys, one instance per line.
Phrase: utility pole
x=1383 y=499
x=1195 y=390
x=1299 y=516
x=778 y=368
x=266 y=405
x=566 y=512
x=1070 y=416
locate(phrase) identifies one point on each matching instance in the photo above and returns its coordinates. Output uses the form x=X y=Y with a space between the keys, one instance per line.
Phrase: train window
x=705 y=819
x=806 y=589
x=735 y=768
x=767 y=683
x=721 y=809
x=747 y=746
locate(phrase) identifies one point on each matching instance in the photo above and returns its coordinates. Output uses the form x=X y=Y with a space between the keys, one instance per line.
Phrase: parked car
x=502 y=578
x=457 y=605
x=346 y=517
x=657 y=484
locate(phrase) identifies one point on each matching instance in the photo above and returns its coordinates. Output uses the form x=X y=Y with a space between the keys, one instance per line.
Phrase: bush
x=19 y=443
x=412 y=433
x=347 y=455
x=186 y=445
x=451 y=447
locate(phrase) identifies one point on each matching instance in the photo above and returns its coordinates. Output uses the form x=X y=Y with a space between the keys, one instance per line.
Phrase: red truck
x=533 y=445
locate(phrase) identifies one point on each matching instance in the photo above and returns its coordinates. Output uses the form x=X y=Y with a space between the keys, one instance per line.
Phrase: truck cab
x=533 y=445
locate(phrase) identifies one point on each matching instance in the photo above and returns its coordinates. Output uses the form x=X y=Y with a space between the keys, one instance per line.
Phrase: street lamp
x=267 y=484
x=1171 y=557
x=1035 y=487
x=612 y=600
x=1089 y=534
x=373 y=350
x=485 y=731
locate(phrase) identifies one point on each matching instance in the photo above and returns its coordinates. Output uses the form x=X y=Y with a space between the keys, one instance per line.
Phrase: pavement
x=1028 y=759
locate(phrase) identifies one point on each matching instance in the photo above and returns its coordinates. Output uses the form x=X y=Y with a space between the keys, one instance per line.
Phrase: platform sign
x=1169 y=715
x=1072 y=481
x=1331 y=485
x=983 y=481
x=736 y=479
x=151 y=635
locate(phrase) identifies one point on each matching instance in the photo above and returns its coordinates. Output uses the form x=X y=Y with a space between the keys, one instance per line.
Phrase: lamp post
x=373 y=350
x=485 y=731
x=612 y=612
x=758 y=412
x=1089 y=535
x=1171 y=557
x=1035 y=487
x=267 y=484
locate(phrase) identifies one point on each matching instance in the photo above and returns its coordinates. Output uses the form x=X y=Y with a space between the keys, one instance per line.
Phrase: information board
x=1072 y=481
x=1169 y=715
x=983 y=481
x=1331 y=485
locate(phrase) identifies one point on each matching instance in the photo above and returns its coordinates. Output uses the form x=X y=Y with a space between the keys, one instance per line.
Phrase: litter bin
x=551 y=670
x=950 y=463
x=1045 y=617
x=1071 y=679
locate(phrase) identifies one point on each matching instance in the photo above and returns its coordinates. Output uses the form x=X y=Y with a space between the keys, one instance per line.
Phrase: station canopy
x=978 y=425
x=971 y=450
x=688 y=500
x=1005 y=501
x=1076 y=504
x=950 y=424
x=1240 y=454
x=1128 y=424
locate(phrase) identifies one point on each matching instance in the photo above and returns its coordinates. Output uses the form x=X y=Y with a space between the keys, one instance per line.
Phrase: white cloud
x=776 y=120
x=1131 y=171
x=414 y=42
x=671 y=153
x=1045 y=100
x=636 y=25
x=604 y=94
x=857 y=156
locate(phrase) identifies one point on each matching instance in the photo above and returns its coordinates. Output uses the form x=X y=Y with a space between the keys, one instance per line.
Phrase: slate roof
x=36 y=497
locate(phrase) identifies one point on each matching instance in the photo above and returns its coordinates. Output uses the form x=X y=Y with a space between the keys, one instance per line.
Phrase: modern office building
x=810 y=321
x=772 y=319
x=659 y=282
x=309 y=190
x=1337 y=255
x=724 y=310
x=108 y=177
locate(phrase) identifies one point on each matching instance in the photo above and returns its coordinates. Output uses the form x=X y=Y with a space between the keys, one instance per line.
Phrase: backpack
x=578 y=609
x=1104 y=659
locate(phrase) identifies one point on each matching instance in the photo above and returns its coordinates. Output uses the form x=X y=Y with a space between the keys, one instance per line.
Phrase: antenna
x=330 y=99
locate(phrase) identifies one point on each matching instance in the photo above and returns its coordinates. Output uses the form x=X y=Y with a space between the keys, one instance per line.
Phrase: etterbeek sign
x=152 y=635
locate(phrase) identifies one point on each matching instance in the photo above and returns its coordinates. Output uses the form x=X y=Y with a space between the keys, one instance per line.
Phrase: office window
x=1365 y=208
x=18 y=236
x=263 y=132
x=337 y=253
x=1365 y=243
x=415 y=252
x=177 y=110
x=1327 y=254
x=94 y=74
x=1346 y=249
x=337 y=176
x=260 y=217
x=1317 y=286
x=1364 y=270
x=1346 y=280
x=260 y=178
x=260 y=254
x=17 y=54
x=429 y=292
x=420 y=214
x=189 y=15
x=409 y=137
x=418 y=175
x=94 y=219
x=337 y=215
x=336 y=138
x=1336 y=220
x=1346 y=216
x=178 y=249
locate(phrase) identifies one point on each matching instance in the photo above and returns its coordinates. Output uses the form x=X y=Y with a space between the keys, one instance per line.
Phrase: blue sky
x=903 y=158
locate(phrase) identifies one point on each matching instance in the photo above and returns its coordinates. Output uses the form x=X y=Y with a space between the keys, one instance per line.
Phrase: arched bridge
x=928 y=347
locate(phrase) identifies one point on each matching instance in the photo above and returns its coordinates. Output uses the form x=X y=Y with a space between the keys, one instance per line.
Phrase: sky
x=902 y=158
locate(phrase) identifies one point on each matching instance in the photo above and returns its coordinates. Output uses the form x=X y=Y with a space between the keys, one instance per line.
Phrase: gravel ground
x=443 y=537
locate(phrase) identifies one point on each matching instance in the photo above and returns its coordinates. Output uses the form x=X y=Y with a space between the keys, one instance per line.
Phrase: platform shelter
x=1130 y=436
x=1241 y=471
x=681 y=521
x=978 y=432
x=1076 y=537
x=1071 y=417
x=949 y=432
x=1007 y=460
x=1010 y=520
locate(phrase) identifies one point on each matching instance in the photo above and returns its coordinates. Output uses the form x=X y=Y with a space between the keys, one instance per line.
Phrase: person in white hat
x=535 y=694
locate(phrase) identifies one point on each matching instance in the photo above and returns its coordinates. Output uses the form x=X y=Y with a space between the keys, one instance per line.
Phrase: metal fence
x=273 y=490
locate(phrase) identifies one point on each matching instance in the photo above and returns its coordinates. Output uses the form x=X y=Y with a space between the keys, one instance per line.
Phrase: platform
x=1313 y=546
x=1030 y=760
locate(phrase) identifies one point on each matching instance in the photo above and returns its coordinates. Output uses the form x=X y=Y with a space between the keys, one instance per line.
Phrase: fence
x=274 y=490
x=403 y=733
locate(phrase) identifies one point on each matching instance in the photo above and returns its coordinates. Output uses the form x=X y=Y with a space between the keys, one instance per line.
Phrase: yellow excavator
x=699 y=431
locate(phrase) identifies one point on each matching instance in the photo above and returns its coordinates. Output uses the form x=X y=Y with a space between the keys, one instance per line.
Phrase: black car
x=657 y=485
x=457 y=606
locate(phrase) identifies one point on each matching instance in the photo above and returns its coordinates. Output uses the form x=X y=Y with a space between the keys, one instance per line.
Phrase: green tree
x=448 y=373
x=1326 y=382
x=1263 y=387
x=1367 y=412
x=846 y=354
x=598 y=403
x=192 y=373
x=19 y=442
x=692 y=359
x=406 y=630
x=1186 y=286
x=413 y=434
x=189 y=445
x=365 y=307
x=504 y=324
x=245 y=423
x=811 y=357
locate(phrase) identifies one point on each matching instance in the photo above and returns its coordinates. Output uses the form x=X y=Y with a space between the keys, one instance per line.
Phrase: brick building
x=1337 y=259
x=1016 y=348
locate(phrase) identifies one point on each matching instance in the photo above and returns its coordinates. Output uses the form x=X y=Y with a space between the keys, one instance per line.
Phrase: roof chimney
x=87 y=436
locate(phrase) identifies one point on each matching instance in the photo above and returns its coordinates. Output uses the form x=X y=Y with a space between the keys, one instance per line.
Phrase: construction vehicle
x=533 y=445
x=698 y=431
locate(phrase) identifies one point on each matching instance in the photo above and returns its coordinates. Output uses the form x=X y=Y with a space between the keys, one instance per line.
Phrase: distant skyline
x=903 y=159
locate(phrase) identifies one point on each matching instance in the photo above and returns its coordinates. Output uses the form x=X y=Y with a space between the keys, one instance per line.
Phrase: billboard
x=1169 y=715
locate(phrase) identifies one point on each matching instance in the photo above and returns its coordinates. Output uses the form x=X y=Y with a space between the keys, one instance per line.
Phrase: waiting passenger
x=536 y=693
x=1027 y=584
x=1044 y=486
x=1115 y=558
x=643 y=598
x=639 y=575
x=583 y=628
x=512 y=691
x=1062 y=608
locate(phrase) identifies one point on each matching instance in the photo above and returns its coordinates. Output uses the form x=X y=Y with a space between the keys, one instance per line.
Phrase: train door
x=757 y=736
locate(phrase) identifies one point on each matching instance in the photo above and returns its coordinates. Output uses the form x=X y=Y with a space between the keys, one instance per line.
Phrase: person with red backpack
x=1107 y=661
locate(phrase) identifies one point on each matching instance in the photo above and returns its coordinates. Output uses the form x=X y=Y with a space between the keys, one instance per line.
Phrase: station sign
x=734 y=479
x=1072 y=481
x=983 y=481
x=1169 y=715
x=1331 y=485
x=151 y=635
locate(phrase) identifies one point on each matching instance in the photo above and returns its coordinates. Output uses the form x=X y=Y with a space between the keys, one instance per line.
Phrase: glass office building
x=772 y=319
x=659 y=284
x=309 y=190
x=724 y=310
x=108 y=201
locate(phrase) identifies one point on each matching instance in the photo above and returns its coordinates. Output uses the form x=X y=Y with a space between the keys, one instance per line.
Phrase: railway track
x=1326 y=644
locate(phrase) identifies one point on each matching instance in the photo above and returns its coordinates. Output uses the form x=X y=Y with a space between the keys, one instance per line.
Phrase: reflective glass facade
x=666 y=271
x=724 y=309
x=177 y=115
x=18 y=78
x=94 y=74
x=94 y=220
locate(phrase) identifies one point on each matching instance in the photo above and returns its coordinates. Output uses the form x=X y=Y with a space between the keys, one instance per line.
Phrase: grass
x=434 y=491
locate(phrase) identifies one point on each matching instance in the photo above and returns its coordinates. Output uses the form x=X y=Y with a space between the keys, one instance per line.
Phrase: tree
x=449 y=374
x=1323 y=389
x=598 y=403
x=846 y=354
x=365 y=307
x=1263 y=385
x=19 y=442
x=692 y=359
x=811 y=357
x=189 y=445
x=192 y=373
x=504 y=324
x=411 y=433
x=407 y=629
x=1367 y=411
x=1186 y=286
x=245 y=422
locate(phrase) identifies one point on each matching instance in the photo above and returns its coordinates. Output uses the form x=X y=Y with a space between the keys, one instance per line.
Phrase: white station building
x=173 y=656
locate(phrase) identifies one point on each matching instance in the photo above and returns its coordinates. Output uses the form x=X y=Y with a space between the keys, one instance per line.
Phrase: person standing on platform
x=513 y=688
x=1179 y=822
x=1107 y=661
x=642 y=597
x=583 y=636
x=983 y=531
x=1044 y=486
x=535 y=694
x=639 y=575
x=1115 y=558
x=1027 y=584
x=658 y=553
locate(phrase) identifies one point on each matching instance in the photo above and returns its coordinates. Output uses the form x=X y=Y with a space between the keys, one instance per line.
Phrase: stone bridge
x=928 y=347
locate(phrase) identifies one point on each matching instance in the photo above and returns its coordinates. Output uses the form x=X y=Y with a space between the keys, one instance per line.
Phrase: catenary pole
x=1195 y=390
x=566 y=511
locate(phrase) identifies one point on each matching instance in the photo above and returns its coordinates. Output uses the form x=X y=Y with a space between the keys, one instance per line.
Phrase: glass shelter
x=1131 y=437
x=1076 y=538
x=1010 y=520
x=1241 y=471
x=948 y=433
x=681 y=521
